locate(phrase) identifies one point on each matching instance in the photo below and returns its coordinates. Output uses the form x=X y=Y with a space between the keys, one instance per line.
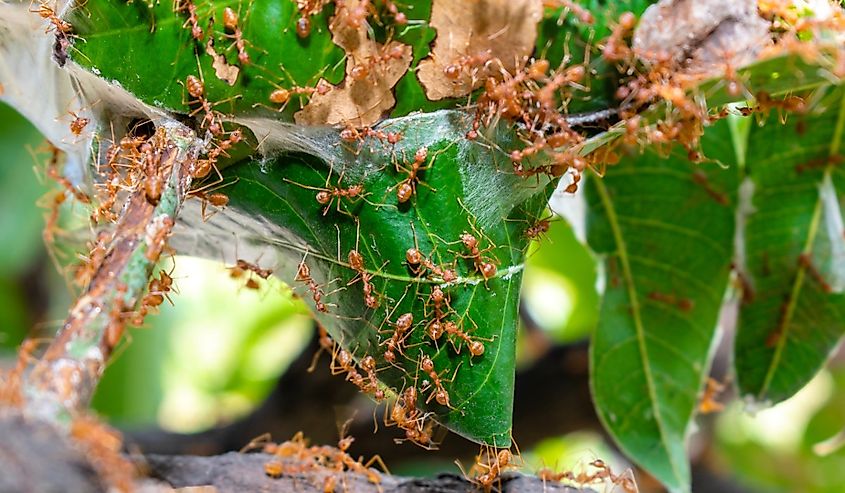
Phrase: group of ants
x=532 y=98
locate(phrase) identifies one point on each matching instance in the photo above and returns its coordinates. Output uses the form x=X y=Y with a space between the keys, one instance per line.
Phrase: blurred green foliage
x=559 y=289
x=790 y=447
x=20 y=224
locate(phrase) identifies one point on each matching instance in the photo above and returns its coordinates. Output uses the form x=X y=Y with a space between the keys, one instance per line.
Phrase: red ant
x=346 y=364
x=328 y=194
x=407 y=187
x=59 y=26
x=401 y=330
x=205 y=166
x=392 y=51
x=159 y=289
x=485 y=267
x=356 y=261
x=230 y=23
x=196 y=88
x=303 y=274
x=368 y=364
x=615 y=49
x=157 y=239
x=439 y=392
x=351 y=134
x=188 y=5
x=536 y=230
x=493 y=469
x=417 y=261
x=78 y=124
x=466 y=63
x=583 y=14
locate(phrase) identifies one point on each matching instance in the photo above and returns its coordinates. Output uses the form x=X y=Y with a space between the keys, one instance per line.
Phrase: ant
x=583 y=14
x=159 y=289
x=61 y=27
x=708 y=403
x=466 y=63
x=346 y=364
x=187 y=5
x=493 y=468
x=242 y=266
x=215 y=199
x=485 y=267
x=401 y=330
x=206 y=165
x=389 y=52
x=352 y=134
x=439 y=392
x=538 y=229
x=417 y=261
x=88 y=268
x=615 y=49
x=78 y=124
x=407 y=187
x=356 y=262
x=157 y=240
x=230 y=23
x=406 y=416
x=307 y=8
x=327 y=195
x=303 y=274
x=476 y=348
x=368 y=364
x=326 y=344
x=196 y=89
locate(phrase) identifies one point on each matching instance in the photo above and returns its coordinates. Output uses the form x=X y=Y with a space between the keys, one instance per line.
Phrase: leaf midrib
x=802 y=269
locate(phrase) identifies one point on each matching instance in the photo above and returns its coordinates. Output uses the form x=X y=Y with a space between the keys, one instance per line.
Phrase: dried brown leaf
x=224 y=71
x=359 y=102
x=500 y=31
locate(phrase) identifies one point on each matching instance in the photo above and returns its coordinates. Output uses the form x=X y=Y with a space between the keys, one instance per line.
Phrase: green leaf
x=271 y=207
x=794 y=314
x=665 y=227
x=119 y=38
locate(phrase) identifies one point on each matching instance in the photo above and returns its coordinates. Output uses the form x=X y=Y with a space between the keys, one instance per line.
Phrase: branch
x=63 y=381
x=244 y=472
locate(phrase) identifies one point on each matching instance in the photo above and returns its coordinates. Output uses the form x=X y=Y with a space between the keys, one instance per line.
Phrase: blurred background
x=223 y=364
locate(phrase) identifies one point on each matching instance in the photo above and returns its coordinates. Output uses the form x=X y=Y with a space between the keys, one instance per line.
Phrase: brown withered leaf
x=358 y=102
x=498 y=34
x=224 y=71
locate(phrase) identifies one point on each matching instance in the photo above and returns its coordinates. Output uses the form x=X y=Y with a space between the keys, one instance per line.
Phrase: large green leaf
x=665 y=227
x=271 y=208
x=794 y=314
x=119 y=37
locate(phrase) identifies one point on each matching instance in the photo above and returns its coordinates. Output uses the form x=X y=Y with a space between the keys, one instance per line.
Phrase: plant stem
x=63 y=381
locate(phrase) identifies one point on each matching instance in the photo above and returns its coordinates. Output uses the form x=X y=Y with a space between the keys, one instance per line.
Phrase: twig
x=64 y=380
